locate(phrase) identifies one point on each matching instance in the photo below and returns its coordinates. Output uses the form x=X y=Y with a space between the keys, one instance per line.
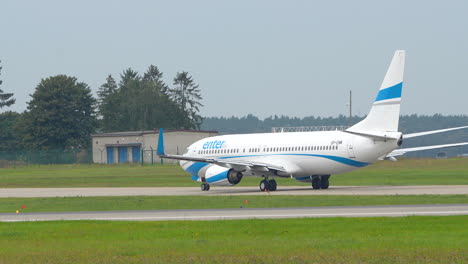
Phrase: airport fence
x=29 y=157
x=150 y=156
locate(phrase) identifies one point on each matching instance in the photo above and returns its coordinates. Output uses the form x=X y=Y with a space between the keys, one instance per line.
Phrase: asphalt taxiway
x=246 y=213
x=235 y=190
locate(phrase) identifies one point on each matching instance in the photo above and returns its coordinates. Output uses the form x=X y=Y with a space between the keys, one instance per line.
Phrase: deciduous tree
x=60 y=115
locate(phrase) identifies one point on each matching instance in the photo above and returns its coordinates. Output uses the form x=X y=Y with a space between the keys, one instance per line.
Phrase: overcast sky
x=296 y=58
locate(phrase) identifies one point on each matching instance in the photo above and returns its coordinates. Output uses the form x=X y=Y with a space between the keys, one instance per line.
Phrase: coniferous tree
x=108 y=103
x=158 y=110
x=137 y=103
x=6 y=99
x=10 y=139
x=186 y=95
x=128 y=97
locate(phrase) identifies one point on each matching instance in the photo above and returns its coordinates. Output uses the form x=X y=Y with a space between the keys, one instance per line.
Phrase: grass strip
x=403 y=172
x=415 y=239
x=64 y=204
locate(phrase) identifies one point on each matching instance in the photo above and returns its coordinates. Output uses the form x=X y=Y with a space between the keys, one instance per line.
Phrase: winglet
x=161 y=143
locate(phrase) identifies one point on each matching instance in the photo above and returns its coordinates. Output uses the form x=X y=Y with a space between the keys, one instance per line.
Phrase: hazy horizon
x=266 y=58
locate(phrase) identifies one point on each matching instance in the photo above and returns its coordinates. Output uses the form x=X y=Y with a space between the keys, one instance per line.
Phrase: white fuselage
x=301 y=154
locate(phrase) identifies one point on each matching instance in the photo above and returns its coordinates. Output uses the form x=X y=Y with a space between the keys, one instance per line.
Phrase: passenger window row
x=218 y=151
x=302 y=148
x=269 y=149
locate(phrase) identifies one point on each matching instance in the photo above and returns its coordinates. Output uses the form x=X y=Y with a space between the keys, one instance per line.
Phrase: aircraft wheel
x=264 y=186
x=324 y=182
x=272 y=184
x=205 y=187
x=316 y=182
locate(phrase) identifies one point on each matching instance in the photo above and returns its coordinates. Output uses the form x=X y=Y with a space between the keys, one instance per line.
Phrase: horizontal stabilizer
x=418 y=134
x=377 y=135
x=399 y=152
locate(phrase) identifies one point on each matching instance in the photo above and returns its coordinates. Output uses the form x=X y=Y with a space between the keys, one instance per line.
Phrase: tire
x=205 y=187
x=273 y=185
x=316 y=182
x=264 y=186
x=325 y=183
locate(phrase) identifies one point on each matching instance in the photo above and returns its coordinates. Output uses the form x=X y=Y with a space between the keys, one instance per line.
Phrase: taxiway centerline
x=235 y=190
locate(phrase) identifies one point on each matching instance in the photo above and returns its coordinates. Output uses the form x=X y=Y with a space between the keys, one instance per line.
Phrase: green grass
x=64 y=204
x=404 y=172
x=93 y=175
x=422 y=239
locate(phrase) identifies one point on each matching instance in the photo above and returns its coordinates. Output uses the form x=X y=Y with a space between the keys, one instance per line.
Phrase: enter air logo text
x=217 y=144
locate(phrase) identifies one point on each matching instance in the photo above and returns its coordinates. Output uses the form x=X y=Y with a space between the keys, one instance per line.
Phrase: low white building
x=141 y=146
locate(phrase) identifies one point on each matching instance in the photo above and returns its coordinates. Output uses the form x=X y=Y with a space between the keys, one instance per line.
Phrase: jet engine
x=221 y=176
x=234 y=177
x=400 y=141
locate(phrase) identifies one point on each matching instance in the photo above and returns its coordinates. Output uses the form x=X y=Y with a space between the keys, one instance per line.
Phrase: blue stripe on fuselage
x=195 y=168
x=343 y=160
x=346 y=161
x=217 y=177
x=390 y=92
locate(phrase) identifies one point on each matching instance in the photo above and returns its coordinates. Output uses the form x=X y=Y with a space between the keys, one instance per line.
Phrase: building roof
x=124 y=145
x=143 y=132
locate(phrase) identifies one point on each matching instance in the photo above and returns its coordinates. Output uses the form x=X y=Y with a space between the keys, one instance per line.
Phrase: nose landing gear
x=205 y=186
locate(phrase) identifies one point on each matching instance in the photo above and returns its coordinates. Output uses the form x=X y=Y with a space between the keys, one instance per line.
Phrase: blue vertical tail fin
x=160 y=150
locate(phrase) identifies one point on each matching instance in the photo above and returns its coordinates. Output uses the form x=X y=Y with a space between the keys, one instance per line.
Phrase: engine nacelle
x=234 y=177
x=400 y=141
x=217 y=175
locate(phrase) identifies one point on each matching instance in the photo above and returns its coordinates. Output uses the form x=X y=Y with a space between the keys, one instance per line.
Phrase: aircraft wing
x=418 y=134
x=238 y=165
x=249 y=165
x=399 y=152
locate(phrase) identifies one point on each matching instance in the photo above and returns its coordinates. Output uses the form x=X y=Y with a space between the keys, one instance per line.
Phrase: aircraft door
x=351 y=149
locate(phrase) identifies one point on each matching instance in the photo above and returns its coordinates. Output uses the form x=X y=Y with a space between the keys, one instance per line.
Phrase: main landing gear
x=268 y=185
x=320 y=181
x=205 y=186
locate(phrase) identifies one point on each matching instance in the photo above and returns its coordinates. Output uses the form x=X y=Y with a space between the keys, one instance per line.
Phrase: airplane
x=305 y=156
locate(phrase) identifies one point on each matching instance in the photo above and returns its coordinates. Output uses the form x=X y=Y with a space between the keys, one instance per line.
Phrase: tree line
x=253 y=124
x=408 y=124
x=62 y=113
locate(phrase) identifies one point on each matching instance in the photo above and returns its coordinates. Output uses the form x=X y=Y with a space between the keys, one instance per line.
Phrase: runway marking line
x=250 y=216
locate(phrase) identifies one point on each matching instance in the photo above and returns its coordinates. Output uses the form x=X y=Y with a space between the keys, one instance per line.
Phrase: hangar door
x=136 y=154
x=123 y=154
x=110 y=155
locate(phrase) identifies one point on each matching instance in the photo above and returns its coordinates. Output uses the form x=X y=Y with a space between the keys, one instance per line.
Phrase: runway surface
x=245 y=213
x=236 y=190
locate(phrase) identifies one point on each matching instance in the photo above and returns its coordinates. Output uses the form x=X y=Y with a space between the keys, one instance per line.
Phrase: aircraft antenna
x=350 y=106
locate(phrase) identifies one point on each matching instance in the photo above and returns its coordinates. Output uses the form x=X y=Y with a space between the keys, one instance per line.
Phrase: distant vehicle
x=305 y=156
